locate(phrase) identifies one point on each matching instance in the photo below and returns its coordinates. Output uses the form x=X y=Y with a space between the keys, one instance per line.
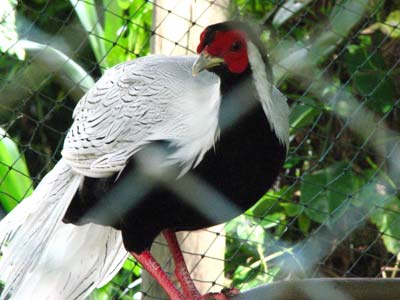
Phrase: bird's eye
x=236 y=46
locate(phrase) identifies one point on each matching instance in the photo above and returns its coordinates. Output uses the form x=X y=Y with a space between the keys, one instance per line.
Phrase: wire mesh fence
x=334 y=211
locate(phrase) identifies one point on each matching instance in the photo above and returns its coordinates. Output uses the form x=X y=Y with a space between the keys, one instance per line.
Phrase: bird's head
x=223 y=47
x=233 y=50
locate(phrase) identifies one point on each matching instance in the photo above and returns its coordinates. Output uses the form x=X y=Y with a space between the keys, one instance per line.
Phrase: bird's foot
x=225 y=294
x=214 y=296
x=230 y=292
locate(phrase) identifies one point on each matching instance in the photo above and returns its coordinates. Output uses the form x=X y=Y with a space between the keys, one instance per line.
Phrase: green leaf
x=392 y=24
x=272 y=220
x=270 y=202
x=303 y=113
x=386 y=215
x=250 y=232
x=252 y=277
x=121 y=286
x=124 y=4
x=304 y=223
x=292 y=161
x=132 y=266
x=369 y=76
x=115 y=27
x=292 y=209
x=15 y=183
x=242 y=274
x=87 y=14
x=390 y=27
x=127 y=27
x=325 y=193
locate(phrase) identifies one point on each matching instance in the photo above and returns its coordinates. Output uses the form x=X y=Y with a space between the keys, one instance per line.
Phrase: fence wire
x=334 y=211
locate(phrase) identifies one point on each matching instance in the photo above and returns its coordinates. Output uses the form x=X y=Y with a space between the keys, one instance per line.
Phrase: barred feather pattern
x=148 y=99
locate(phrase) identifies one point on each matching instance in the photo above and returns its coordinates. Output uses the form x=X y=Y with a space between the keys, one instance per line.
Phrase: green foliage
x=385 y=201
x=86 y=11
x=326 y=173
x=326 y=192
x=252 y=8
x=387 y=219
x=249 y=261
x=391 y=26
x=369 y=75
x=127 y=28
x=122 y=283
x=15 y=183
x=254 y=253
x=303 y=113
x=125 y=33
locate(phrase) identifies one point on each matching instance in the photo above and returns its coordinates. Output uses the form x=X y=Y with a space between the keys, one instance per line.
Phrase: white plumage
x=148 y=99
x=134 y=103
x=272 y=100
x=44 y=258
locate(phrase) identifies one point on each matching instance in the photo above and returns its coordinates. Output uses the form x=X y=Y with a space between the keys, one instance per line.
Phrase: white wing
x=134 y=103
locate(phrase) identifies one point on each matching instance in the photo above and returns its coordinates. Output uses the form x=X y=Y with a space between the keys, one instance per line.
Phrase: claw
x=230 y=292
x=214 y=296
x=225 y=294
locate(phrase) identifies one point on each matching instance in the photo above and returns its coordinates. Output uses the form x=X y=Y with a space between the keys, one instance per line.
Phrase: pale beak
x=205 y=61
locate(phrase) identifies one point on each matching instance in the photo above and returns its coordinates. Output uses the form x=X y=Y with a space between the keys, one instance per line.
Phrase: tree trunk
x=177 y=26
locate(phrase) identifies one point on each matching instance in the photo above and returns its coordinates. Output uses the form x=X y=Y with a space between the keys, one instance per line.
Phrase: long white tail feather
x=43 y=258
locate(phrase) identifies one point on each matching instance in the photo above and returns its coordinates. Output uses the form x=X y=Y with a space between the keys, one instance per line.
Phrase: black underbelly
x=243 y=167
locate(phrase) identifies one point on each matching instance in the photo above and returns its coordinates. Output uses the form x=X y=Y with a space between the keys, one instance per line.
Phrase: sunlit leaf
x=127 y=26
x=392 y=24
x=15 y=182
x=390 y=27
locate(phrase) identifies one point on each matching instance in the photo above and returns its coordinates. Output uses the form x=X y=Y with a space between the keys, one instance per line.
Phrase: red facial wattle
x=200 y=47
x=229 y=45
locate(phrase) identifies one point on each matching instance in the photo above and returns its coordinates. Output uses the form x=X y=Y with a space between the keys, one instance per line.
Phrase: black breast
x=244 y=165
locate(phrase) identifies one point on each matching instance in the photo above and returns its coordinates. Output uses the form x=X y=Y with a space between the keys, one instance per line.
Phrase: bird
x=56 y=245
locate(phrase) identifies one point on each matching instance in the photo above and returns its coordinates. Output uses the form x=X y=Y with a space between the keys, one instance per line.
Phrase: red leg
x=152 y=266
x=182 y=273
